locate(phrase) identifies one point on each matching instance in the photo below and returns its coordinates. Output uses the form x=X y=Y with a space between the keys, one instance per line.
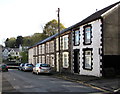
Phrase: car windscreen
x=3 y=66
x=29 y=65
x=45 y=65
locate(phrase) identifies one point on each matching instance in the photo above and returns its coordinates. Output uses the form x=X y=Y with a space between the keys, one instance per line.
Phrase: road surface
x=19 y=81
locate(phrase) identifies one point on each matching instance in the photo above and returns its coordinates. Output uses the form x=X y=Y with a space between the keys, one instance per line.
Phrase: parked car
x=41 y=68
x=13 y=65
x=21 y=66
x=3 y=67
x=28 y=67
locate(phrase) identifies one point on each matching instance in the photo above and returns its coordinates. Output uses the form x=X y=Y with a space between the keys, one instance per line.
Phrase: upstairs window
x=57 y=44
x=43 y=49
x=87 y=35
x=40 y=49
x=51 y=46
x=76 y=37
x=65 y=42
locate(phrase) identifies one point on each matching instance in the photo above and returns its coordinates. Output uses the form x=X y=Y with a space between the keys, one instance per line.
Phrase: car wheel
x=33 y=72
x=24 y=70
x=37 y=72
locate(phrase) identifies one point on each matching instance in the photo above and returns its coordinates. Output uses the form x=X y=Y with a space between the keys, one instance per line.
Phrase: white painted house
x=89 y=47
x=96 y=43
x=10 y=52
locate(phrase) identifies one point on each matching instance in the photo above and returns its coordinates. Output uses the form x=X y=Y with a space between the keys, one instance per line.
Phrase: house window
x=35 y=50
x=88 y=59
x=46 y=47
x=51 y=46
x=40 y=59
x=57 y=62
x=43 y=49
x=87 y=34
x=47 y=59
x=65 y=60
x=43 y=59
x=57 y=44
x=39 y=49
x=76 y=37
x=65 y=42
x=52 y=60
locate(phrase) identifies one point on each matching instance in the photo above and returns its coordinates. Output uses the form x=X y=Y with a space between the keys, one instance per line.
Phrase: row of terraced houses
x=90 y=47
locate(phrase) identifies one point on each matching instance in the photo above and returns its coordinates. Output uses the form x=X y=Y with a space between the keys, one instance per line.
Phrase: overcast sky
x=26 y=17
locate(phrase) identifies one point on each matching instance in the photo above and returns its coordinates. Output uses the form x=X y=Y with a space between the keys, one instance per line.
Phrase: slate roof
x=9 y=49
x=90 y=18
x=95 y=15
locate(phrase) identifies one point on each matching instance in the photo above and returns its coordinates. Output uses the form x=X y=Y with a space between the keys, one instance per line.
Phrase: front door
x=76 y=61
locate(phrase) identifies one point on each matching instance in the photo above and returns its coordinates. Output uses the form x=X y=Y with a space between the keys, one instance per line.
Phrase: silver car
x=42 y=68
x=21 y=66
x=28 y=67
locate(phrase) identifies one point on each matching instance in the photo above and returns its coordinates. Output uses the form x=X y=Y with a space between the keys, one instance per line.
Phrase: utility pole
x=59 y=40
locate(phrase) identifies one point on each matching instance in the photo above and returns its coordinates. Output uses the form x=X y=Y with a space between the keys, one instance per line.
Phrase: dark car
x=28 y=67
x=21 y=66
x=13 y=65
x=3 y=67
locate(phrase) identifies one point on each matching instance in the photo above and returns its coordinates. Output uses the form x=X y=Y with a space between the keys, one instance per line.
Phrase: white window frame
x=47 y=59
x=87 y=35
x=52 y=60
x=57 y=44
x=76 y=37
x=43 y=59
x=43 y=48
x=52 y=46
x=65 y=64
x=88 y=59
x=39 y=49
x=39 y=59
x=65 y=42
x=57 y=61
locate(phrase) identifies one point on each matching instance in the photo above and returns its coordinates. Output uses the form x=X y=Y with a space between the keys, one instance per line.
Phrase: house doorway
x=76 y=61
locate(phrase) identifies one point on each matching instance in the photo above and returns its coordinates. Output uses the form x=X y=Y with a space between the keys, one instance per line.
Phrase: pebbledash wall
x=91 y=46
x=89 y=49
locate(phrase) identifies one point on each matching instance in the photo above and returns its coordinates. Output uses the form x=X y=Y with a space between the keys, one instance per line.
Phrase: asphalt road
x=19 y=81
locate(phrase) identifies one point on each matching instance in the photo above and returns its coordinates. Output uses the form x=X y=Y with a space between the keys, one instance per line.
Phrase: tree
x=10 y=42
x=19 y=41
x=51 y=27
x=37 y=37
x=27 y=41
x=24 y=56
x=6 y=42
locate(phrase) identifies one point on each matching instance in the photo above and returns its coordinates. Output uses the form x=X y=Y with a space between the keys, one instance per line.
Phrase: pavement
x=109 y=85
